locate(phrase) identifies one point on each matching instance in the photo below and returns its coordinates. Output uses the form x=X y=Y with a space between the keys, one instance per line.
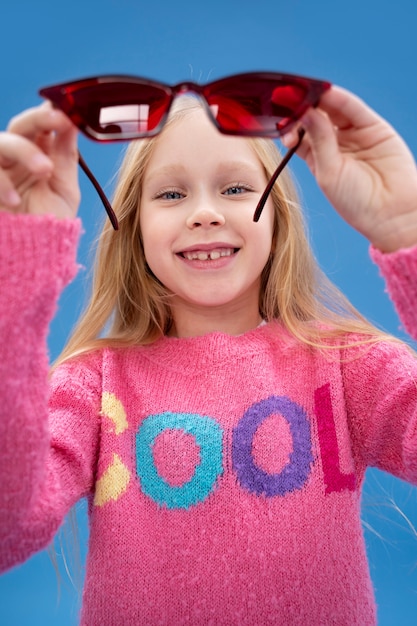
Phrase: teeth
x=205 y=256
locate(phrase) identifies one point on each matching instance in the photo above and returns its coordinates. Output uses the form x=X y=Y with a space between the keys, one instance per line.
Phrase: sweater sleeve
x=399 y=270
x=381 y=400
x=42 y=473
x=381 y=380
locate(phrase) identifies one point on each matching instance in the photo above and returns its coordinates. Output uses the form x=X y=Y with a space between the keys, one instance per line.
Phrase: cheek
x=156 y=247
x=152 y=231
x=153 y=255
x=157 y=265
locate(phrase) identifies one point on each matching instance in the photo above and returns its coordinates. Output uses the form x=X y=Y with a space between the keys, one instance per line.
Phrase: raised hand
x=363 y=167
x=38 y=164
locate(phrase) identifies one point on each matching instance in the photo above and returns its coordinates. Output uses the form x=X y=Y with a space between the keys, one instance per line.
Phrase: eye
x=168 y=194
x=237 y=190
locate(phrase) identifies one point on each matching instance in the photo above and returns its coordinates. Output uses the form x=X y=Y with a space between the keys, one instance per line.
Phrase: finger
x=320 y=147
x=291 y=137
x=15 y=149
x=20 y=159
x=65 y=145
x=51 y=132
x=65 y=156
x=9 y=198
x=39 y=121
x=345 y=109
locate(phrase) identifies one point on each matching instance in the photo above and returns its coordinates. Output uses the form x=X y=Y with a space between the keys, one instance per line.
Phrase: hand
x=38 y=164
x=363 y=167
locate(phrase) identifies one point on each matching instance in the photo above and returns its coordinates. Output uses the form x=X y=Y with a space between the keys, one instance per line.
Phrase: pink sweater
x=223 y=473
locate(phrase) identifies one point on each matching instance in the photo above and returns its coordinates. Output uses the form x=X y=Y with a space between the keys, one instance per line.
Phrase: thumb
x=321 y=147
x=65 y=155
x=65 y=147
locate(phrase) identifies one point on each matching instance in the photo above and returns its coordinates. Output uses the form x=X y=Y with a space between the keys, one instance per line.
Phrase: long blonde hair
x=129 y=306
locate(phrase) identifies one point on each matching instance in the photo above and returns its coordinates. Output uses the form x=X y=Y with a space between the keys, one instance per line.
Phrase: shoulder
x=81 y=371
x=387 y=363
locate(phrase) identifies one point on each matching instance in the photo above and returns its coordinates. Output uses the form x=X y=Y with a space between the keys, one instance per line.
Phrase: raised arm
x=47 y=452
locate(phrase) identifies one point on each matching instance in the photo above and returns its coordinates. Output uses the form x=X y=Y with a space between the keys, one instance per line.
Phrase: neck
x=194 y=322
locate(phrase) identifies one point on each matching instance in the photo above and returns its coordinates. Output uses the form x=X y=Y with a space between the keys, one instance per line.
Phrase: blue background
x=368 y=46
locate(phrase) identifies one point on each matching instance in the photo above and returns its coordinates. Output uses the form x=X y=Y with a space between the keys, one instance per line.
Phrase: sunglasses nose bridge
x=188 y=87
x=191 y=88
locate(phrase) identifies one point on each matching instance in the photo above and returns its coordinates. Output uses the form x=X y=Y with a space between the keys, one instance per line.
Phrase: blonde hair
x=129 y=306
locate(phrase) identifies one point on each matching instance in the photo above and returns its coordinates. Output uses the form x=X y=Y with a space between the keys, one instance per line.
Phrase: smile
x=208 y=255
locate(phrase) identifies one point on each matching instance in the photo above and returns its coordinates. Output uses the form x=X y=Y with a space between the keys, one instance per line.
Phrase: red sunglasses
x=122 y=108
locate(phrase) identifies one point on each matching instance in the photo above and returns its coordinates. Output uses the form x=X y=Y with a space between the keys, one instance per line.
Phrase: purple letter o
x=295 y=473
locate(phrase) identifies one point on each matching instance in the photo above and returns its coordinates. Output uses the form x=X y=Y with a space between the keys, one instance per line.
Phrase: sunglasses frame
x=61 y=97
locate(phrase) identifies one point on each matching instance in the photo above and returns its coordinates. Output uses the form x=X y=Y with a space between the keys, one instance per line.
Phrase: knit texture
x=223 y=473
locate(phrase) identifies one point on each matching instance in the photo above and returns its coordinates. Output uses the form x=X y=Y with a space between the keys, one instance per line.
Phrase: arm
x=48 y=455
x=41 y=472
x=370 y=177
x=381 y=401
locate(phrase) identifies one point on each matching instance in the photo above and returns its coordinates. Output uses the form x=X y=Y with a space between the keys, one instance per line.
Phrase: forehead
x=193 y=138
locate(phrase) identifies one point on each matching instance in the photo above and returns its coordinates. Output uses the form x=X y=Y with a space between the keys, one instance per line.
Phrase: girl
x=219 y=402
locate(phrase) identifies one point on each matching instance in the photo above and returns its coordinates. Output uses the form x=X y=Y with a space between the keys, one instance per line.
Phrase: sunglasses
x=123 y=108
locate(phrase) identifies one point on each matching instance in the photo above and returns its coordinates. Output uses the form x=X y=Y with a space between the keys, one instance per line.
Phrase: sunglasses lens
x=261 y=104
x=112 y=109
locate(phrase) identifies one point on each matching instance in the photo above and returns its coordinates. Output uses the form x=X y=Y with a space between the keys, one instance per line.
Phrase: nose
x=205 y=217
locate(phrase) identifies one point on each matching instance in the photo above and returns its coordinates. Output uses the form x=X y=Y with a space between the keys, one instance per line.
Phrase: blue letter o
x=208 y=436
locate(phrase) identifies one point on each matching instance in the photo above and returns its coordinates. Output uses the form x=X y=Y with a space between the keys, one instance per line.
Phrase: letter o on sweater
x=208 y=436
x=295 y=473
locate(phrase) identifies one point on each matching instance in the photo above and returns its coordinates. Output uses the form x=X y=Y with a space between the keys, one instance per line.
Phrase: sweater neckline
x=212 y=348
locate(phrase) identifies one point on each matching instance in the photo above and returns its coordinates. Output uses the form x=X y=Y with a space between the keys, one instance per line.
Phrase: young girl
x=219 y=402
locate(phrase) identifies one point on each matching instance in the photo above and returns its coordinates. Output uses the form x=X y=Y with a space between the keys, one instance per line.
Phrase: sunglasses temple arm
x=275 y=175
x=97 y=187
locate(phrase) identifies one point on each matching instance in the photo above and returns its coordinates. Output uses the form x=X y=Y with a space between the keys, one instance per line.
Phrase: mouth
x=208 y=255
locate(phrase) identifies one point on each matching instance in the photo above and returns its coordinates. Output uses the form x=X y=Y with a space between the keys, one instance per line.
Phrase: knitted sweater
x=223 y=473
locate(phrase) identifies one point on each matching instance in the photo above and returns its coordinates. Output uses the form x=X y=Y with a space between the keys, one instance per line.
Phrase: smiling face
x=199 y=194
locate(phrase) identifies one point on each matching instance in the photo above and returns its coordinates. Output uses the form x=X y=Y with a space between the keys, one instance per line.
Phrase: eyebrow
x=178 y=168
x=166 y=169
